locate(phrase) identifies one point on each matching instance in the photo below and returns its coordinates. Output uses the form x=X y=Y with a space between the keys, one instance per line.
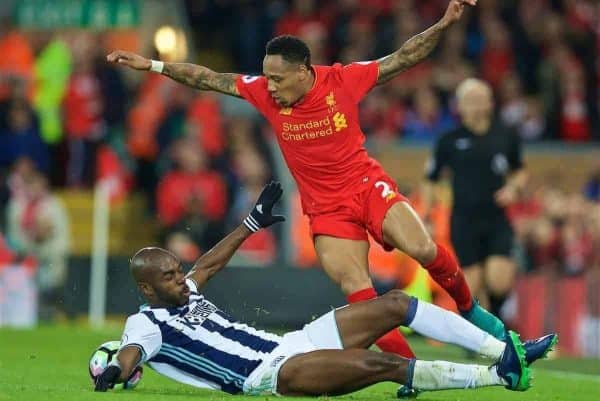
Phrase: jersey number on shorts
x=386 y=193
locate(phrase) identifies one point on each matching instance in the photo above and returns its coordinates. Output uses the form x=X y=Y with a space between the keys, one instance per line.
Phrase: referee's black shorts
x=475 y=238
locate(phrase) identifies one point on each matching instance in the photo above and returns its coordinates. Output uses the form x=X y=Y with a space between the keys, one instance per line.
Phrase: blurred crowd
x=559 y=233
x=539 y=55
x=68 y=119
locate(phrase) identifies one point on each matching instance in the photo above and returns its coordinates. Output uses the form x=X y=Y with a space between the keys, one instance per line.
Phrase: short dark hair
x=291 y=49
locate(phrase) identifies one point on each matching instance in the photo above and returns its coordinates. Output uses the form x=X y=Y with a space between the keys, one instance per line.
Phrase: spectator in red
x=82 y=107
x=111 y=168
x=302 y=12
x=575 y=120
x=191 y=187
x=382 y=115
x=543 y=247
x=314 y=34
x=206 y=122
x=38 y=224
x=497 y=58
x=182 y=245
x=17 y=57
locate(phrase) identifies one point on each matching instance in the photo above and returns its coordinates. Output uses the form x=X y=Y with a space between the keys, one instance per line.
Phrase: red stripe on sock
x=362 y=295
x=394 y=342
x=446 y=272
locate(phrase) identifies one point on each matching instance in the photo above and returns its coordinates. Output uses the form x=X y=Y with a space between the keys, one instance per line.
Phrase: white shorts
x=322 y=333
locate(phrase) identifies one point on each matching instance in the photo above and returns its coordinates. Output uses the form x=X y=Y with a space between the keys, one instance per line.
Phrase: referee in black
x=485 y=162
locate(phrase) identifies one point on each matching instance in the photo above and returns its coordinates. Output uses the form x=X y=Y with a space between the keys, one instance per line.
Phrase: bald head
x=472 y=87
x=475 y=104
x=147 y=262
x=160 y=277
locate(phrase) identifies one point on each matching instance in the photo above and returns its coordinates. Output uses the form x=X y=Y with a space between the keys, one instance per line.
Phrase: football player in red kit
x=313 y=110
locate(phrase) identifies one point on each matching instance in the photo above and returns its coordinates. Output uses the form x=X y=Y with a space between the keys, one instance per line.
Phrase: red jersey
x=320 y=136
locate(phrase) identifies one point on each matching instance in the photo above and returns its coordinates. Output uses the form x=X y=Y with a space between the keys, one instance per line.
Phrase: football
x=100 y=359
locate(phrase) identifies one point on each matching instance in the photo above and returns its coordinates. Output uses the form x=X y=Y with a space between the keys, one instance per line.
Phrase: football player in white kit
x=182 y=335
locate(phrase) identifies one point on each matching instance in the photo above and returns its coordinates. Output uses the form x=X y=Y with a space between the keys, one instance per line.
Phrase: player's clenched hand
x=455 y=10
x=261 y=215
x=129 y=59
x=108 y=378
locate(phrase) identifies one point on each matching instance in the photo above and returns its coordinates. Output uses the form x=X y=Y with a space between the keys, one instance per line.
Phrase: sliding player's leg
x=336 y=372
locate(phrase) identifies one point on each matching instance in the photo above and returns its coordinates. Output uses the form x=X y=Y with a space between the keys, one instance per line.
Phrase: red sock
x=362 y=295
x=393 y=341
x=446 y=272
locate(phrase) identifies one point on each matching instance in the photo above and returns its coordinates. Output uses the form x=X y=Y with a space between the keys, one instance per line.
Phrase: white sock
x=491 y=347
x=448 y=327
x=442 y=375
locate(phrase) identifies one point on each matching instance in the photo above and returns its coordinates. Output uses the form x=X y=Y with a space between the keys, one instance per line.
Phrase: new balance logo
x=248 y=79
x=339 y=120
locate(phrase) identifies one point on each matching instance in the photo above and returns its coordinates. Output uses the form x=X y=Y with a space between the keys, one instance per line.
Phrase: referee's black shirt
x=479 y=166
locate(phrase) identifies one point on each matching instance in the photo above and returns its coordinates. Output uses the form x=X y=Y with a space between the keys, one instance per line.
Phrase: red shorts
x=362 y=212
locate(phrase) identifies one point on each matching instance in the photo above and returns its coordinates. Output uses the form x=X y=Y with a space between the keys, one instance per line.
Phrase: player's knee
x=423 y=250
x=396 y=303
x=292 y=382
x=285 y=380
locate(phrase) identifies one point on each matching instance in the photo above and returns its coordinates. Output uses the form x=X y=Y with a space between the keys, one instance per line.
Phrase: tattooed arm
x=195 y=76
x=200 y=77
x=419 y=46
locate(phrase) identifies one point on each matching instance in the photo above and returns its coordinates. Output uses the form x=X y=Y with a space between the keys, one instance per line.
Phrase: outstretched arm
x=260 y=217
x=119 y=370
x=195 y=76
x=419 y=46
x=203 y=78
x=217 y=257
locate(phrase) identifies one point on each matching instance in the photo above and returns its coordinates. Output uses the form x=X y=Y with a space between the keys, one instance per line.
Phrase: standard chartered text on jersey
x=309 y=130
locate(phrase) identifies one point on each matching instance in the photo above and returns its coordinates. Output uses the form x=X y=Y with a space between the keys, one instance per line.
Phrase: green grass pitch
x=50 y=364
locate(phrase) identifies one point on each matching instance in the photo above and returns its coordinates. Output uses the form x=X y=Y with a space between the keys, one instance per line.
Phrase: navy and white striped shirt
x=198 y=344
